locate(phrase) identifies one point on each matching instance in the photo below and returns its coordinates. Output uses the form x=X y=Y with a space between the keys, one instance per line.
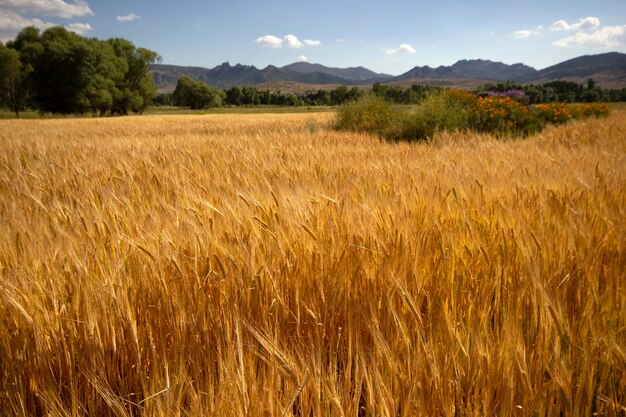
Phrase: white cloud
x=80 y=28
x=524 y=34
x=589 y=22
x=302 y=58
x=404 y=48
x=57 y=8
x=340 y=40
x=130 y=17
x=269 y=41
x=290 y=41
x=606 y=37
x=11 y=23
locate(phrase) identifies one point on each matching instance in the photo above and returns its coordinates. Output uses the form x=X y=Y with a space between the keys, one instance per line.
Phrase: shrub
x=368 y=114
x=516 y=94
x=553 y=112
x=502 y=114
x=583 y=111
x=436 y=113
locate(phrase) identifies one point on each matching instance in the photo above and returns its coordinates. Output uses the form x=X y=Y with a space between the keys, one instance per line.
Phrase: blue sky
x=389 y=36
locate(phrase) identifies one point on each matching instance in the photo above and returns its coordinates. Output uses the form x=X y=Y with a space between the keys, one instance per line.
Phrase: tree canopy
x=13 y=87
x=196 y=95
x=62 y=72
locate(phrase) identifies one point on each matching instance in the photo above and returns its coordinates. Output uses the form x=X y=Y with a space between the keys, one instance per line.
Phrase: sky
x=388 y=36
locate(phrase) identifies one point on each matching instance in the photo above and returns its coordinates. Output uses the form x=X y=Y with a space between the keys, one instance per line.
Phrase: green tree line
x=58 y=71
x=195 y=94
x=563 y=91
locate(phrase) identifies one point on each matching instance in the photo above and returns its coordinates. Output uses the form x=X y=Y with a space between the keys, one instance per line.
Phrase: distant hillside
x=352 y=74
x=301 y=88
x=608 y=70
x=477 y=69
x=226 y=76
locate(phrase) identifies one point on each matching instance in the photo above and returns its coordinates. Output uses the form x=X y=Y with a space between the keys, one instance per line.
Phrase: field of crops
x=268 y=265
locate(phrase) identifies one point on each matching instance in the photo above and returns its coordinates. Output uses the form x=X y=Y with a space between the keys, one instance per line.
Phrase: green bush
x=453 y=110
x=370 y=114
x=436 y=113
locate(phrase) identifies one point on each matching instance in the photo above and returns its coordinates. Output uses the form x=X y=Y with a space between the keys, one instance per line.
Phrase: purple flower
x=510 y=93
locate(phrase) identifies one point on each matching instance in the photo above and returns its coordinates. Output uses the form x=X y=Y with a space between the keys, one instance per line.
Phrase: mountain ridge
x=607 y=69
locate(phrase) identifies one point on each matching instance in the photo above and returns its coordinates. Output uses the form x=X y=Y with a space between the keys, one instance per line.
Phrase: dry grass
x=268 y=266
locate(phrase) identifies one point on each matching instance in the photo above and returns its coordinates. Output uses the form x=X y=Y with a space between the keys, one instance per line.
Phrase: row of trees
x=563 y=91
x=59 y=71
x=196 y=95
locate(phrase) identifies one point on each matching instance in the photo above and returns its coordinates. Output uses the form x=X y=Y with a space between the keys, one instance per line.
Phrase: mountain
x=477 y=69
x=352 y=74
x=226 y=76
x=608 y=70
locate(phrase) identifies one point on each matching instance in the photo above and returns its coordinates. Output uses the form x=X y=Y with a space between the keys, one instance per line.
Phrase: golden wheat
x=266 y=265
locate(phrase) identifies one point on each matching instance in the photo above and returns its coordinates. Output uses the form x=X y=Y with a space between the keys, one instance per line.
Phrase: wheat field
x=268 y=265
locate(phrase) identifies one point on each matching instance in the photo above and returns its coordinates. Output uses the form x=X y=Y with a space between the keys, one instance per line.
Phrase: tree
x=14 y=89
x=234 y=96
x=591 y=84
x=591 y=95
x=68 y=73
x=339 y=95
x=135 y=89
x=250 y=96
x=196 y=95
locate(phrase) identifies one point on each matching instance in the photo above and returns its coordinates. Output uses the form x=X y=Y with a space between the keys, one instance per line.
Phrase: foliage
x=557 y=112
x=67 y=73
x=563 y=91
x=412 y=95
x=135 y=89
x=369 y=114
x=416 y=94
x=436 y=113
x=163 y=99
x=14 y=87
x=196 y=95
x=501 y=114
x=582 y=111
x=562 y=112
x=342 y=94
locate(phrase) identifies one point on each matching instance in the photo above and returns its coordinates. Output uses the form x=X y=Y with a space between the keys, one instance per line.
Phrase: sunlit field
x=268 y=265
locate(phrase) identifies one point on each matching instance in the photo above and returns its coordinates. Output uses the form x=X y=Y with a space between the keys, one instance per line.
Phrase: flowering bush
x=436 y=113
x=553 y=112
x=582 y=111
x=515 y=94
x=562 y=112
x=369 y=114
x=508 y=93
x=501 y=114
